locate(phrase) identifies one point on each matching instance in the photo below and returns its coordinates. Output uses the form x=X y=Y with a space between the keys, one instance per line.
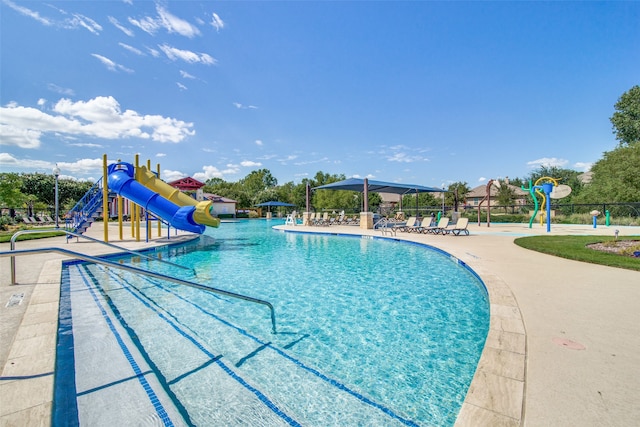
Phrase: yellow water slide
x=202 y=214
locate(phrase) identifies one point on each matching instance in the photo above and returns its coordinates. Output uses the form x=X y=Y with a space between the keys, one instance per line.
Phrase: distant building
x=475 y=196
x=221 y=205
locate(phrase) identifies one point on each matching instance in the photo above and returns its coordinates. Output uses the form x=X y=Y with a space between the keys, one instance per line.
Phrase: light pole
x=56 y=174
x=442 y=199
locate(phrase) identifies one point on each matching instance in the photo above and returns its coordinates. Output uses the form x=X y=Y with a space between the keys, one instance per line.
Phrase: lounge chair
x=459 y=227
x=437 y=229
x=35 y=221
x=411 y=222
x=321 y=220
x=416 y=227
x=27 y=221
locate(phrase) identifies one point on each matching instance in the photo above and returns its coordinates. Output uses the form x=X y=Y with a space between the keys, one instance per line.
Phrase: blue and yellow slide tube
x=121 y=180
x=202 y=214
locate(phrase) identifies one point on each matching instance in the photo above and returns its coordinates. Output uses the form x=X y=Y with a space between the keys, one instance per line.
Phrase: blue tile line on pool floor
x=153 y=398
x=262 y=397
x=298 y=363
x=65 y=405
x=116 y=312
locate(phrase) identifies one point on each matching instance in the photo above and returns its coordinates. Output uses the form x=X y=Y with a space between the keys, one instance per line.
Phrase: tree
x=11 y=195
x=615 y=177
x=626 y=119
x=564 y=176
x=505 y=196
x=456 y=193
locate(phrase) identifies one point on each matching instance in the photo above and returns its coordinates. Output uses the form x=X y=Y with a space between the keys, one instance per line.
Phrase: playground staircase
x=86 y=211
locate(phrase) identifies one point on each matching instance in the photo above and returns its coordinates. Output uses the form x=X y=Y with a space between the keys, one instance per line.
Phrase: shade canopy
x=357 y=184
x=274 y=203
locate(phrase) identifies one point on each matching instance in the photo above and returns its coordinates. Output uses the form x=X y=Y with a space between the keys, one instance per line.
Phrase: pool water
x=370 y=332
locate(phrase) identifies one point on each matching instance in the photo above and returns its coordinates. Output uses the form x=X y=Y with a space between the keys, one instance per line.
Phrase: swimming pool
x=370 y=332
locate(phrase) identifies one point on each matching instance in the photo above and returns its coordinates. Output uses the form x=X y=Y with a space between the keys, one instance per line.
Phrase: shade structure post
x=307 y=209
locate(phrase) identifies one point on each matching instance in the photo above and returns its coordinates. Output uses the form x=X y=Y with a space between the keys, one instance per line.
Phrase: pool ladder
x=13 y=252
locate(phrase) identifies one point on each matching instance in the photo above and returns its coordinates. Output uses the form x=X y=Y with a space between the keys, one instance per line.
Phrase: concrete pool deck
x=563 y=347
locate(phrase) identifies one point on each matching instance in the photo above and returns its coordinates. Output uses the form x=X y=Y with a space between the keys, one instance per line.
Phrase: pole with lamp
x=56 y=174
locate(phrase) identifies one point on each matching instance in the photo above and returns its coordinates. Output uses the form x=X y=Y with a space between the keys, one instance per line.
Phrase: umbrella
x=273 y=203
x=358 y=184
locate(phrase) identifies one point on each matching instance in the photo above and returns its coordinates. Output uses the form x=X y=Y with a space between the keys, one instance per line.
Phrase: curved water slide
x=121 y=179
x=202 y=213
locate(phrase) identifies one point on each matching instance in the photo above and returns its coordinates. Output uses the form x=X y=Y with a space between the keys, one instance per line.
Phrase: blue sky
x=406 y=91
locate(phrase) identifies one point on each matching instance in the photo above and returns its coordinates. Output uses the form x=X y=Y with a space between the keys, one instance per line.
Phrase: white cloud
x=186 y=55
x=181 y=86
x=173 y=24
x=81 y=166
x=244 y=107
x=111 y=66
x=72 y=22
x=121 y=27
x=583 y=166
x=146 y=24
x=153 y=52
x=405 y=158
x=62 y=91
x=28 y=12
x=81 y=21
x=19 y=136
x=217 y=23
x=100 y=117
x=214 y=172
x=132 y=49
x=170 y=175
x=288 y=158
x=310 y=162
x=41 y=102
x=186 y=75
x=259 y=142
x=85 y=144
x=250 y=164
x=482 y=179
x=547 y=162
x=161 y=155
x=165 y=20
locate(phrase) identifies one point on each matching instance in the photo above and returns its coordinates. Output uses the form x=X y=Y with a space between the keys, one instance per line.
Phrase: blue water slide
x=121 y=180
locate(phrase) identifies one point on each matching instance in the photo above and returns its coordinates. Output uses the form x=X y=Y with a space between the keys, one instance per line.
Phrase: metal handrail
x=137 y=270
x=71 y=233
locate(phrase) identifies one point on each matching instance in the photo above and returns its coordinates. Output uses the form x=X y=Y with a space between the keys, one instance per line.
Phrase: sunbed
x=437 y=229
x=411 y=222
x=459 y=227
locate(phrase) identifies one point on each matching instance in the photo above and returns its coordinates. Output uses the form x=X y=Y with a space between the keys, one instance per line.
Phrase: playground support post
x=105 y=199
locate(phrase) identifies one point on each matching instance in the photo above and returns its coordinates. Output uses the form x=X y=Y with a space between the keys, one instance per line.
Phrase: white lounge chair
x=459 y=227
x=438 y=228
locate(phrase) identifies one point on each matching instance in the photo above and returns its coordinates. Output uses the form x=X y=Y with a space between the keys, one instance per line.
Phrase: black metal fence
x=630 y=210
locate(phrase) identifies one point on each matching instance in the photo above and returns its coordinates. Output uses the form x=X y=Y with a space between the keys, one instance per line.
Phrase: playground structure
x=547 y=188
x=147 y=195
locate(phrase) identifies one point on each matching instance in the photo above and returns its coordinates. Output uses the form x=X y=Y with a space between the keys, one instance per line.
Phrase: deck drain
x=16 y=299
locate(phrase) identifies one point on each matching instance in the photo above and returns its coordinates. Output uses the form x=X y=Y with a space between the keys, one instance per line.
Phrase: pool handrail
x=71 y=233
x=143 y=272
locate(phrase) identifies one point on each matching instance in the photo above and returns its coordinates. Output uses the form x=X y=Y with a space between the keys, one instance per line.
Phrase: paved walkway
x=563 y=347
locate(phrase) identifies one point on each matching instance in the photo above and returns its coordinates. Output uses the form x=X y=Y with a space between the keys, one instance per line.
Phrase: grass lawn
x=5 y=236
x=575 y=247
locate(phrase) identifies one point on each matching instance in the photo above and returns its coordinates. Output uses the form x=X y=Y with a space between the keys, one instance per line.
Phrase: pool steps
x=222 y=357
